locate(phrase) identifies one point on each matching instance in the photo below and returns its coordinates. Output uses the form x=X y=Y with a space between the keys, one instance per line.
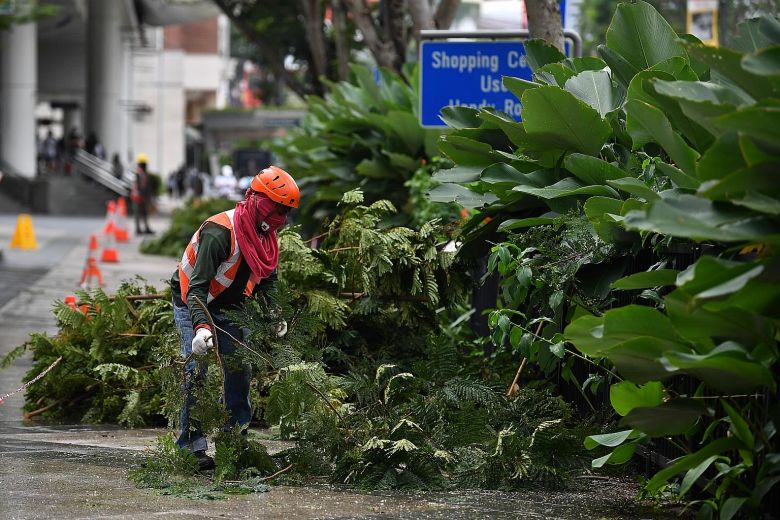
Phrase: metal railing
x=102 y=172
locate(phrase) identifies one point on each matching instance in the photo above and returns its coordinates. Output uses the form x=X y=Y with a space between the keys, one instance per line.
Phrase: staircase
x=84 y=192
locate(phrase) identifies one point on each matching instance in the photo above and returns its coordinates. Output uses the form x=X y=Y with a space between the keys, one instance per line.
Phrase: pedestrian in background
x=117 y=168
x=141 y=195
x=233 y=255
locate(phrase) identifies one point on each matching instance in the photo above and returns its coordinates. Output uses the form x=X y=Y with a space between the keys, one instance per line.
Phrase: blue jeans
x=236 y=389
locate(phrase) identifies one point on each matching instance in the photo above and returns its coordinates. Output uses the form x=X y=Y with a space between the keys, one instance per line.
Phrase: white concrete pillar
x=105 y=73
x=18 y=86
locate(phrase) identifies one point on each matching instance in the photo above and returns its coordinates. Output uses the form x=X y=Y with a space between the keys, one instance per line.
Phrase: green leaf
x=726 y=368
x=731 y=507
x=521 y=223
x=556 y=118
x=620 y=67
x=558 y=349
x=694 y=473
x=540 y=53
x=461 y=174
x=739 y=426
x=467 y=152
x=642 y=36
x=619 y=455
x=625 y=396
x=592 y=170
x=759 y=122
x=647 y=279
x=567 y=187
x=518 y=86
x=610 y=440
x=643 y=119
x=702 y=92
x=554 y=74
x=678 y=177
x=673 y=417
x=728 y=63
x=634 y=186
x=595 y=88
x=687 y=216
x=460 y=195
x=690 y=461
x=460 y=117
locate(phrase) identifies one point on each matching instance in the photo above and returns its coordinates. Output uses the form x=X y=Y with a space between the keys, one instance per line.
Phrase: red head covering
x=259 y=247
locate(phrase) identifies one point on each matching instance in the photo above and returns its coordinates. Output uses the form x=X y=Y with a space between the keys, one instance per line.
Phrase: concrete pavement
x=81 y=471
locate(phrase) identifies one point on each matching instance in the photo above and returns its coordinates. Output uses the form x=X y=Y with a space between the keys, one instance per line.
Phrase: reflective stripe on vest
x=226 y=271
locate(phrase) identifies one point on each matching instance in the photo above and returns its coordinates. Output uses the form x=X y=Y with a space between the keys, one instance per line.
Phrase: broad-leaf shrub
x=662 y=144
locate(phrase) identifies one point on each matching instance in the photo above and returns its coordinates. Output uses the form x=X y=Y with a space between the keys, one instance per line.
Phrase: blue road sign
x=469 y=74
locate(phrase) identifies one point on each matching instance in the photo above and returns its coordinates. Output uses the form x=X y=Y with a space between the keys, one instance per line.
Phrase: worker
x=230 y=257
x=141 y=194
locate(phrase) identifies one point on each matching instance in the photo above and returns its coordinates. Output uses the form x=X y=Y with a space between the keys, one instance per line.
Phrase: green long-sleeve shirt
x=213 y=249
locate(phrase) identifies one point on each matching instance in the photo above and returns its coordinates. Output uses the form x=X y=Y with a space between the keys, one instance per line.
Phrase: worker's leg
x=191 y=437
x=237 y=375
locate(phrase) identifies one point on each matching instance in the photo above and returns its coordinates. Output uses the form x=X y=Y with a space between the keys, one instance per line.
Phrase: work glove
x=281 y=329
x=202 y=341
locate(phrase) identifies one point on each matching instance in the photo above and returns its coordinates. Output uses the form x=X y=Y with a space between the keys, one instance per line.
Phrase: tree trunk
x=396 y=13
x=382 y=50
x=340 y=37
x=445 y=13
x=312 y=14
x=544 y=21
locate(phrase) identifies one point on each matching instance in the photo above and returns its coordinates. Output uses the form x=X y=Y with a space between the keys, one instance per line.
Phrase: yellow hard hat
x=141 y=158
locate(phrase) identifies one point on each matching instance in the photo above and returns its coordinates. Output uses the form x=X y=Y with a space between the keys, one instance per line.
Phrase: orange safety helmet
x=278 y=185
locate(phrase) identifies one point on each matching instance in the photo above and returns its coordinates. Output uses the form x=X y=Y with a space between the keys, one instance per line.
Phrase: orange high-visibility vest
x=226 y=272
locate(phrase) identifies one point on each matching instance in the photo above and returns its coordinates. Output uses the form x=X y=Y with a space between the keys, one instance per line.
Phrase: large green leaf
x=759 y=122
x=619 y=455
x=595 y=336
x=623 y=70
x=673 y=417
x=712 y=277
x=461 y=174
x=677 y=176
x=626 y=395
x=539 y=53
x=518 y=86
x=644 y=119
x=702 y=92
x=634 y=186
x=595 y=88
x=460 y=117
x=691 y=461
x=465 y=197
x=556 y=118
x=721 y=159
x=647 y=279
x=555 y=74
x=610 y=440
x=567 y=187
x=641 y=35
x=687 y=216
x=728 y=64
x=592 y=170
x=467 y=152
x=727 y=368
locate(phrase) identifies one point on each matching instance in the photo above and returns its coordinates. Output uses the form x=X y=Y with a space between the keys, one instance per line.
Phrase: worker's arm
x=213 y=249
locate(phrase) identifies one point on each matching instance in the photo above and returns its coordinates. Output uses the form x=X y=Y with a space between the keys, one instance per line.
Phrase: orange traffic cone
x=120 y=228
x=91 y=269
x=109 y=226
x=70 y=301
x=110 y=254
